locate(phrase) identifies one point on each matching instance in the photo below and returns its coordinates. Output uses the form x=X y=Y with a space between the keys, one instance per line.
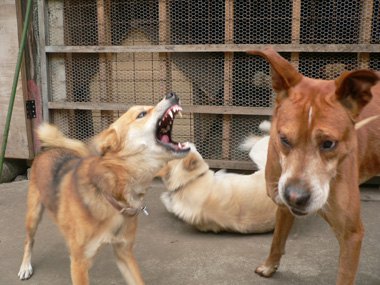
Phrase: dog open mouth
x=164 y=131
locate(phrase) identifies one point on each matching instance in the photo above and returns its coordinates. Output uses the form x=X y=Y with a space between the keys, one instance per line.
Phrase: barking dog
x=216 y=201
x=315 y=161
x=96 y=192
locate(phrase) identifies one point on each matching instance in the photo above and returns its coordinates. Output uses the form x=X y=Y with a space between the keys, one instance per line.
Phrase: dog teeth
x=171 y=114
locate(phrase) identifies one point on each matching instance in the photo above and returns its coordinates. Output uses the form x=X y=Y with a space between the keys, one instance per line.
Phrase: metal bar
x=371 y=48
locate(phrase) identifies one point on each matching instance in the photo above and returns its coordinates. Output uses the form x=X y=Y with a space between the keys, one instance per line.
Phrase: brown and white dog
x=217 y=201
x=315 y=159
x=95 y=192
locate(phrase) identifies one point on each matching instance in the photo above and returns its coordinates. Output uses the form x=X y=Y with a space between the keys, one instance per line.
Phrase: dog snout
x=172 y=96
x=297 y=195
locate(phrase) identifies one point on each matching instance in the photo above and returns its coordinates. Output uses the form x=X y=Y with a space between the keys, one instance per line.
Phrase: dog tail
x=265 y=126
x=220 y=172
x=50 y=137
x=249 y=142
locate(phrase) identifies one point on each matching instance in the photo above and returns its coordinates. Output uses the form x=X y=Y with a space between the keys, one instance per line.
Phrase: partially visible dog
x=95 y=192
x=315 y=159
x=216 y=201
x=258 y=146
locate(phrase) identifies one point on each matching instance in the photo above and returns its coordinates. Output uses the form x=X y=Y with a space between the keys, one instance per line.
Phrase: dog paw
x=266 y=271
x=25 y=272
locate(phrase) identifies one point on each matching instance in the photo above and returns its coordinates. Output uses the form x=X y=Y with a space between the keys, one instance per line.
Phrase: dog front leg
x=79 y=269
x=284 y=223
x=349 y=231
x=127 y=263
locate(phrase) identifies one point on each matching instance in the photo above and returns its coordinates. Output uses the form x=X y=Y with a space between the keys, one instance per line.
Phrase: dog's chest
x=112 y=232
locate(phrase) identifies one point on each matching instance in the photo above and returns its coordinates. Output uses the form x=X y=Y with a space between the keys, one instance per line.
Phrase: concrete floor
x=170 y=252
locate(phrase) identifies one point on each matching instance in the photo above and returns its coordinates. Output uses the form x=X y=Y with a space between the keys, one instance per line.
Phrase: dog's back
x=47 y=172
x=369 y=138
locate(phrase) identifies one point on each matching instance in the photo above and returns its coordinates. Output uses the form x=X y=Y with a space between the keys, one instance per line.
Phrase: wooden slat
x=296 y=30
x=366 y=22
x=164 y=34
x=42 y=24
x=231 y=164
x=228 y=78
x=105 y=59
x=199 y=109
x=365 y=31
x=375 y=48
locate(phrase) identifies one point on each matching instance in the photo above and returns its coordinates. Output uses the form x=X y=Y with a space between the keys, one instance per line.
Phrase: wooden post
x=296 y=28
x=164 y=39
x=105 y=60
x=365 y=31
x=69 y=70
x=228 y=78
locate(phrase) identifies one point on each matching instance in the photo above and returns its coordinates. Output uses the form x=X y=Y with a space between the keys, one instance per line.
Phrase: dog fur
x=315 y=159
x=216 y=201
x=95 y=192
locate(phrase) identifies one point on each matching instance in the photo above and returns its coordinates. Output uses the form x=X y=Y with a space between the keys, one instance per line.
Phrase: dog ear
x=190 y=162
x=353 y=89
x=284 y=75
x=106 y=141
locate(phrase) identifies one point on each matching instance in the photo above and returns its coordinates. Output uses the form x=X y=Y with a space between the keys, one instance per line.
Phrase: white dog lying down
x=217 y=201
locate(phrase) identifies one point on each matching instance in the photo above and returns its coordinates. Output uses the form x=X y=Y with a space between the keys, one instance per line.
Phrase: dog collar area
x=130 y=211
x=134 y=211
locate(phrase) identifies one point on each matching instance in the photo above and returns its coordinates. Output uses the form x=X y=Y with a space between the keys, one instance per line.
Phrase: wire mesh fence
x=225 y=93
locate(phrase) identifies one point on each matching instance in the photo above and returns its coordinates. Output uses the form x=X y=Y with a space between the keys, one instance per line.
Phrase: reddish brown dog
x=315 y=161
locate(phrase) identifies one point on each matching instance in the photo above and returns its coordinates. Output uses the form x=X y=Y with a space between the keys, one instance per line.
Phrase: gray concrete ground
x=172 y=253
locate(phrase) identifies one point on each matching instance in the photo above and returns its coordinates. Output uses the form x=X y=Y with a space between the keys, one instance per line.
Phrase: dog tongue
x=165 y=139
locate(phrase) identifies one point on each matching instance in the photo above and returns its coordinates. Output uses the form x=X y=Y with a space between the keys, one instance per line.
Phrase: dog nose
x=172 y=96
x=296 y=195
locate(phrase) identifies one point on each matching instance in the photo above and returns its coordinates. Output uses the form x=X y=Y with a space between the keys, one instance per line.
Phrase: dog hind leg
x=33 y=218
x=284 y=223
x=127 y=263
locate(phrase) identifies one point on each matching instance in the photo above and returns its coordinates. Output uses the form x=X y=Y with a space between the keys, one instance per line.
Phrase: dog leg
x=348 y=228
x=79 y=269
x=284 y=223
x=127 y=263
x=33 y=218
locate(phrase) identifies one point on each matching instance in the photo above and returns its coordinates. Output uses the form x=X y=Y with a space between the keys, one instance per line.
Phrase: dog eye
x=141 y=115
x=284 y=140
x=328 y=145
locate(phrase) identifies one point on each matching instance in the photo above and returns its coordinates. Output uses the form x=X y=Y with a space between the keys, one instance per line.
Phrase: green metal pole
x=14 y=86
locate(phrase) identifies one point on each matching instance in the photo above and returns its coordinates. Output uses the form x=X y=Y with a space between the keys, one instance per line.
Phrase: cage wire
x=203 y=80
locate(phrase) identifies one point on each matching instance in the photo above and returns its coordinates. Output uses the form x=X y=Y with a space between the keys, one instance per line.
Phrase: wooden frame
x=164 y=48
